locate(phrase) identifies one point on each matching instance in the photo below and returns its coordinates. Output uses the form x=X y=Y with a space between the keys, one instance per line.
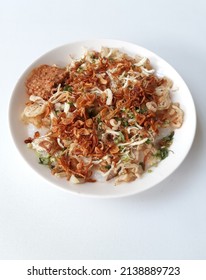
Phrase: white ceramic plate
x=182 y=141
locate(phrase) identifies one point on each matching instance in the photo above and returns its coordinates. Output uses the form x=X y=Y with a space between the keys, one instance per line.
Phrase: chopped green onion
x=169 y=137
x=130 y=115
x=108 y=166
x=68 y=88
x=167 y=140
x=44 y=160
x=70 y=103
x=121 y=148
x=125 y=123
x=125 y=158
x=141 y=110
x=121 y=136
x=149 y=141
x=162 y=153
x=116 y=140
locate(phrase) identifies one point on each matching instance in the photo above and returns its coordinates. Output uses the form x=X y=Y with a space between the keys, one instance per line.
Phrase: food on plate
x=106 y=113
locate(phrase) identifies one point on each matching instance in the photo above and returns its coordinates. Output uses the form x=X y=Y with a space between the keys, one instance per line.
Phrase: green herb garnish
x=167 y=140
x=91 y=112
x=121 y=137
x=68 y=88
x=108 y=166
x=142 y=165
x=141 y=110
x=162 y=153
x=44 y=160
x=125 y=123
x=116 y=140
x=99 y=120
x=125 y=158
x=130 y=115
x=149 y=141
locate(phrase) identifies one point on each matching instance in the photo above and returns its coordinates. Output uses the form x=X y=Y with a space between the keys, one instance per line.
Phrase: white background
x=39 y=221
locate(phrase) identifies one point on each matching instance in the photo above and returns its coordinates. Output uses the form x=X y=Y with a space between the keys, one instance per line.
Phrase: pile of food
x=106 y=112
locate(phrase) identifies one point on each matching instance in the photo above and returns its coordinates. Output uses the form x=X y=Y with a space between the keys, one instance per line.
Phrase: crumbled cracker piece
x=43 y=79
